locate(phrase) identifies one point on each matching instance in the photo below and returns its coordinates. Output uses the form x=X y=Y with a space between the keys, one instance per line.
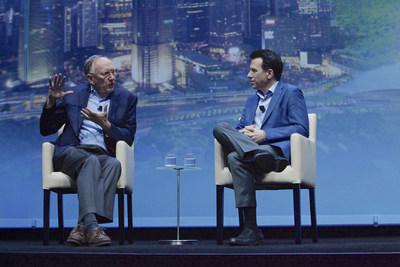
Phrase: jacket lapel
x=83 y=100
x=114 y=102
x=274 y=100
x=253 y=108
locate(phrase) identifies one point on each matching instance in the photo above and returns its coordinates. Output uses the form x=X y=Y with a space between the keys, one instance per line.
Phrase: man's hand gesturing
x=99 y=118
x=56 y=90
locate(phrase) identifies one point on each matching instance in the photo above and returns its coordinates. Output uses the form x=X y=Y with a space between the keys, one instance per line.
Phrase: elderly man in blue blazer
x=96 y=117
x=261 y=141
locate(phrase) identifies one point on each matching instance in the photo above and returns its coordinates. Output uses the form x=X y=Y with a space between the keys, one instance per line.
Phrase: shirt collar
x=272 y=89
x=93 y=92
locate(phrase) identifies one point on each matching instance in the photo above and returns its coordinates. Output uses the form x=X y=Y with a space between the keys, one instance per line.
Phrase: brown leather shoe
x=98 y=238
x=77 y=236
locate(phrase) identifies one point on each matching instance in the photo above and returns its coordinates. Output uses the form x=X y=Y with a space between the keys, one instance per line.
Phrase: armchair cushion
x=59 y=180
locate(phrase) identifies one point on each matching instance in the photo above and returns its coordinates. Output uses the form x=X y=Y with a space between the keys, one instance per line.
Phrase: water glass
x=189 y=160
x=170 y=160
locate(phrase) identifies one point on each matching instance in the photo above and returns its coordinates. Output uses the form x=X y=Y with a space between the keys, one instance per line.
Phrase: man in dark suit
x=261 y=141
x=96 y=117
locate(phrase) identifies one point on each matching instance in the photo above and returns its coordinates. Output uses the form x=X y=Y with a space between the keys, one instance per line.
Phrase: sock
x=250 y=218
x=90 y=222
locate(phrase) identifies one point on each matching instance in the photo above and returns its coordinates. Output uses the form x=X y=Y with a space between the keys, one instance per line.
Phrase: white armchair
x=61 y=183
x=300 y=174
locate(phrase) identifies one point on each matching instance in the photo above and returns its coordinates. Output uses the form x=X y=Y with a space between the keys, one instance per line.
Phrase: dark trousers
x=96 y=175
x=244 y=171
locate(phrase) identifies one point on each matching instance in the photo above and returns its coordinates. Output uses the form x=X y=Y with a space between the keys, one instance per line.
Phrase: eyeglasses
x=108 y=73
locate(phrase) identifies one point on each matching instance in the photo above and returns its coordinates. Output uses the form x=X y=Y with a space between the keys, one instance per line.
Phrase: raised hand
x=56 y=90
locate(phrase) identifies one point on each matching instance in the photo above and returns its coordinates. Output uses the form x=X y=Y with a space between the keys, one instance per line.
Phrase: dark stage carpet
x=354 y=251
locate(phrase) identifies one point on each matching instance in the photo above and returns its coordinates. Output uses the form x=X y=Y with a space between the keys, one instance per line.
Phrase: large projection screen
x=189 y=72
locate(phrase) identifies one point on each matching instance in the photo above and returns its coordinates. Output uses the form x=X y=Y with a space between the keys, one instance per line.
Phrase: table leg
x=178 y=174
x=178 y=241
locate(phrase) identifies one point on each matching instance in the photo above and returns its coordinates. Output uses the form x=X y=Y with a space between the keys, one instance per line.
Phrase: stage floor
x=365 y=251
x=270 y=246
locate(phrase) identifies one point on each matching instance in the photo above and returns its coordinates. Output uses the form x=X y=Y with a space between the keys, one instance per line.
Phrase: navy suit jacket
x=286 y=114
x=121 y=115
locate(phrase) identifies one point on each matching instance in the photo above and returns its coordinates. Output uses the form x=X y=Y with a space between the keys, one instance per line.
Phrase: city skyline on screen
x=167 y=48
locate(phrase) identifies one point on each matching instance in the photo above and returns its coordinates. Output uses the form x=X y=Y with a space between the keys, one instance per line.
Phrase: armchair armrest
x=222 y=173
x=220 y=157
x=47 y=159
x=125 y=155
x=303 y=158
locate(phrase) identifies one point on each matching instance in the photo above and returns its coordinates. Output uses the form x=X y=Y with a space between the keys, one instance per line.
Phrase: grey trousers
x=244 y=171
x=96 y=175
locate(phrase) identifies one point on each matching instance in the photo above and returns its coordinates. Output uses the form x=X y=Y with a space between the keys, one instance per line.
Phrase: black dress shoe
x=247 y=237
x=270 y=163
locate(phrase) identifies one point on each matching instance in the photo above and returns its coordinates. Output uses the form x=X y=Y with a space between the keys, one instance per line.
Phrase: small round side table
x=178 y=241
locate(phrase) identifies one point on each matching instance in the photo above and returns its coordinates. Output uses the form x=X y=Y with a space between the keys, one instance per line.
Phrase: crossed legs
x=246 y=161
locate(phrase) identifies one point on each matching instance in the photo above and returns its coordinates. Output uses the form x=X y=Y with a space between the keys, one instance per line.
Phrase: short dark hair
x=88 y=67
x=270 y=60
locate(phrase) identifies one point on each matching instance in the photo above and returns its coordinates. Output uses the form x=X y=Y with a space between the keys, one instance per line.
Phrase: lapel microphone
x=262 y=108
x=100 y=108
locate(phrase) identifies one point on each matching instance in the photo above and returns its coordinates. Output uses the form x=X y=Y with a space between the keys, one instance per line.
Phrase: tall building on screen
x=153 y=47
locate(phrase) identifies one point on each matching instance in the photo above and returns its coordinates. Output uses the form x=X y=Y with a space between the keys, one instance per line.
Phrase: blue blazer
x=121 y=115
x=286 y=114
